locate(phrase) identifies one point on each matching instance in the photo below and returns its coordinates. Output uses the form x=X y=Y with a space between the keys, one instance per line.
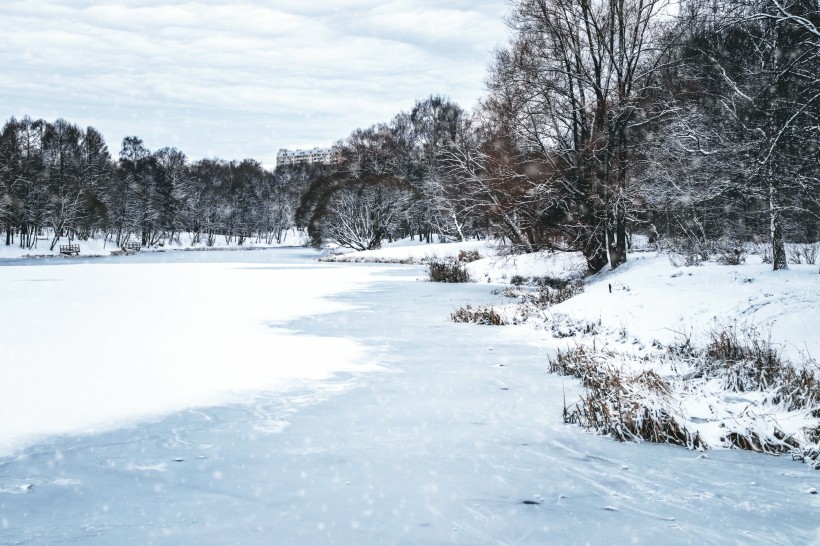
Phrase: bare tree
x=749 y=109
x=574 y=82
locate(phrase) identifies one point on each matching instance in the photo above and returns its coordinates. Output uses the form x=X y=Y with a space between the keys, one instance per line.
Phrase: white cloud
x=240 y=79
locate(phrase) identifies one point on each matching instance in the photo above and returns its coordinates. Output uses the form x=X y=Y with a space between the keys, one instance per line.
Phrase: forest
x=694 y=123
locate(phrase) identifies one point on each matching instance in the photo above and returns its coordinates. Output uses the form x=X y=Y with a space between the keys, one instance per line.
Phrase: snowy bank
x=96 y=247
x=704 y=356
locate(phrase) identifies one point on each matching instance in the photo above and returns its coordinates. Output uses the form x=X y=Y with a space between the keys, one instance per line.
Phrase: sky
x=241 y=78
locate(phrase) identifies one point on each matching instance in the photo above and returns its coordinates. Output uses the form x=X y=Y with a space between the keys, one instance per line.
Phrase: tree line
x=60 y=179
x=692 y=122
x=695 y=122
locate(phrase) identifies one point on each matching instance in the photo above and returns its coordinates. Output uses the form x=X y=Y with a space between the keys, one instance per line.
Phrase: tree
x=356 y=213
x=435 y=124
x=171 y=172
x=572 y=86
x=748 y=113
x=64 y=169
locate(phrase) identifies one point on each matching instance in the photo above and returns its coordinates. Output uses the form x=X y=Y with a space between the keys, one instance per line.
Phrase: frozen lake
x=262 y=398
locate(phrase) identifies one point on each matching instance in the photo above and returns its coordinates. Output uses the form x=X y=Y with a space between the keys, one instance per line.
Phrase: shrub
x=764 y=251
x=553 y=296
x=555 y=282
x=730 y=254
x=628 y=407
x=467 y=256
x=810 y=253
x=548 y=294
x=634 y=402
x=447 y=271
x=803 y=253
x=479 y=315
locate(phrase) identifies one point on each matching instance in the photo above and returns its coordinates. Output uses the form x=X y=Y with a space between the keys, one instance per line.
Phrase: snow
x=315 y=403
x=654 y=300
x=99 y=247
x=90 y=346
x=412 y=250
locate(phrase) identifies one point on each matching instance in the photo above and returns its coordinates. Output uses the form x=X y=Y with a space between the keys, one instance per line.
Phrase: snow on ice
x=261 y=397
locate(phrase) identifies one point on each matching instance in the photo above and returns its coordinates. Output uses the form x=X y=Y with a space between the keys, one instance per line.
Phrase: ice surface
x=89 y=346
x=456 y=439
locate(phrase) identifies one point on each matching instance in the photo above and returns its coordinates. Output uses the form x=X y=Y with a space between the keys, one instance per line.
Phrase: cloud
x=240 y=79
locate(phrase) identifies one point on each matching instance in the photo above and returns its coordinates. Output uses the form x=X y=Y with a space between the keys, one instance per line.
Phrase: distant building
x=325 y=156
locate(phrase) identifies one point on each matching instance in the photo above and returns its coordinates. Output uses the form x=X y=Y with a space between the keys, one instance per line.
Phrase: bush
x=555 y=282
x=467 y=256
x=447 y=271
x=479 y=315
x=553 y=296
x=764 y=251
x=549 y=293
x=626 y=396
x=803 y=253
x=628 y=407
x=541 y=282
x=730 y=254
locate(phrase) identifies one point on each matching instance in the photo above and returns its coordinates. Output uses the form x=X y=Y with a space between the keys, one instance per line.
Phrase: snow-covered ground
x=651 y=298
x=495 y=265
x=651 y=303
x=655 y=300
x=182 y=241
x=260 y=397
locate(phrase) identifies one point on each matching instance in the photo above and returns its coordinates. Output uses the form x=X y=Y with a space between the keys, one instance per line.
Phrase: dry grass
x=447 y=271
x=633 y=402
x=746 y=360
x=467 y=256
x=626 y=406
x=478 y=315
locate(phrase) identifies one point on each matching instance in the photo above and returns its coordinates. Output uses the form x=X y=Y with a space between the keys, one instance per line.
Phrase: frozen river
x=262 y=398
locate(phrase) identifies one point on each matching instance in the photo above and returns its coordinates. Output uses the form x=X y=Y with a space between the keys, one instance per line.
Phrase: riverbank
x=99 y=247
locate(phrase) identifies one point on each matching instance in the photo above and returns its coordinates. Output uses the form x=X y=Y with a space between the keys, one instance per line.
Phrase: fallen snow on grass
x=496 y=264
x=630 y=317
x=411 y=251
x=90 y=346
x=651 y=299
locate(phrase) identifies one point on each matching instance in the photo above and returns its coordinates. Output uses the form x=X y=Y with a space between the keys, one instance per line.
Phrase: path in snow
x=459 y=441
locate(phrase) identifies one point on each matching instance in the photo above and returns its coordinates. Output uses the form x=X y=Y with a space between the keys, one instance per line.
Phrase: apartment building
x=325 y=156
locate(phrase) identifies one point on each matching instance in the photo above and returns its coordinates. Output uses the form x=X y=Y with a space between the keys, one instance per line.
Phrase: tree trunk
x=778 y=248
x=595 y=252
x=616 y=239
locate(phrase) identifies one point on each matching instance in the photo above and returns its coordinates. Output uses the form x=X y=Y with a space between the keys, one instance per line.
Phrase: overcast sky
x=243 y=78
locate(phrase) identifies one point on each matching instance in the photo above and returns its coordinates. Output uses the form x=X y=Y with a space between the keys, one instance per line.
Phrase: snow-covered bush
x=478 y=315
x=803 y=253
x=737 y=392
x=467 y=256
x=763 y=250
x=730 y=254
x=447 y=271
x=550 y=292
x=629 y=405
